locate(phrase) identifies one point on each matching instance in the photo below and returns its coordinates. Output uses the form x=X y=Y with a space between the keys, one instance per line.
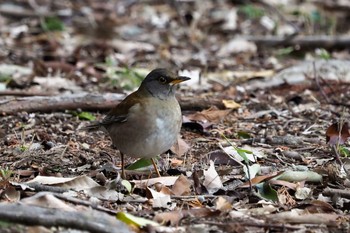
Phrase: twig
x=254 y=224
x=318 y=83
x=194 y=196
x=40 y=187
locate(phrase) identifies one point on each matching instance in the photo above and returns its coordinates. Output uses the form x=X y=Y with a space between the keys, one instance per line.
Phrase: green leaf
x=4 y=224
x=140 y=164
x=135 y=221
x=323 y=54
x=251 y=11
x=125 y=78
x=83 y=115
x=86 y=116
x=284 y=51
x=267 y=192
x=5 y=173
x=242 y=153
x=344 y=151
x=297 y=176
x=52 y=24
x=127 y=185
x=244 y=135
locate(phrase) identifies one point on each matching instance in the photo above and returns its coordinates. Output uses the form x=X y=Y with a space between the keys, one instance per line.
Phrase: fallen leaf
x=160 y=200
x=174 y=217
x=237 y=45
x=337 y=134
x=302 y=193
x=166 y=180
x=180 y=148
x=223 y=205
x=231 y=104
x=317 y=206
x=47 y=200
x=284 y=183
x=308 y=176
x=176 y=162
x=11 y=194
x=212 y=181
x=132 y=220
x=78 y=183
x=211 y=115
x=182 y=186
x=258 y=179
x=221 y=158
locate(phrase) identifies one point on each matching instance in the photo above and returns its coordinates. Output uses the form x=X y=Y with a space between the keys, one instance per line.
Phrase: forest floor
x=264 y=144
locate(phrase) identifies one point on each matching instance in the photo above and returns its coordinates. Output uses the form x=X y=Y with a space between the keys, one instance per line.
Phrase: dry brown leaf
x=284 y=183
x=211 y=115
x=25 y=172
x=175 y=162
x=181 y=147
x=165 y=190
x=182 y=186
x=317 y=206
x=173 y=217
x=12 y=194
x=48 y=201
x=259 y=179
x=337 y=134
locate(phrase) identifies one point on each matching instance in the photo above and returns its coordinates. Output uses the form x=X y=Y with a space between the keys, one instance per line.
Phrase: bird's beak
x=179 y=79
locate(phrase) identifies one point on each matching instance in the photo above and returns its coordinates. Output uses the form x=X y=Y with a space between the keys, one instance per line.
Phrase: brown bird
x=146 y=123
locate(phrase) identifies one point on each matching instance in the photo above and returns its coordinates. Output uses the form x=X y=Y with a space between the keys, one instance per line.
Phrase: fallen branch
x=86 y=102
x=92 y=221
x=345 y=193
x=321 y=41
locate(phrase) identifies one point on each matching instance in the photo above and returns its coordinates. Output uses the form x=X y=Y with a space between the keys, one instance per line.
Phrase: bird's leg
x=155 y=167
x=123 y=171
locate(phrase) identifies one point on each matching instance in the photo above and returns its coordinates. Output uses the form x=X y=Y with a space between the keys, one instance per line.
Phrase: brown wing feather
x=120 y=112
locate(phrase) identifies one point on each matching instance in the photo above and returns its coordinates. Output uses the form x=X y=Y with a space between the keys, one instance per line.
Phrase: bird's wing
x=120 y=113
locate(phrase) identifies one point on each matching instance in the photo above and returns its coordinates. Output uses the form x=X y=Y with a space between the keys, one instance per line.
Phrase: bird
x=147 y=122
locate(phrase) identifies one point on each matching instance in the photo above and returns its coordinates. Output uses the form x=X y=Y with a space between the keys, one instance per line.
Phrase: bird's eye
x=162 y=80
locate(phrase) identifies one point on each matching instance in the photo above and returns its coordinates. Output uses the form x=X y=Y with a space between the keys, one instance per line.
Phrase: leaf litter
x=285 y=167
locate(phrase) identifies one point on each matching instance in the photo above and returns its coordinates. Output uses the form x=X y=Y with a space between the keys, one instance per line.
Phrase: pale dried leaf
x=160 y=200
x=222 y=204
x=212 y=181
x=48 y=201
x=77 y=183
x=166 y=180
x=172 y=217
